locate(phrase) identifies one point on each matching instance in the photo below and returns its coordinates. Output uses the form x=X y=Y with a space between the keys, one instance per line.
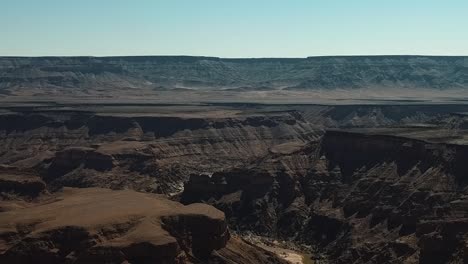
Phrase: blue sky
x=228 y=28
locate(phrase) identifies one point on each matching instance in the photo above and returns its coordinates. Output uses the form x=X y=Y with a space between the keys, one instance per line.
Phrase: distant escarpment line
x=97 y=74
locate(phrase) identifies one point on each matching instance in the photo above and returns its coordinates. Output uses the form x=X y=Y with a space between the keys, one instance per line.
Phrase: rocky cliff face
x=82 y=75
x=405 y=194
x=365 y=199
x=148 y=153
x=387 y=192
x=14 y=182
x=157 y=153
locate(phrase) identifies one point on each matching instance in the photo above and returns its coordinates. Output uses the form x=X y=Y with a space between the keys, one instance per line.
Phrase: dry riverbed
x=284 y=250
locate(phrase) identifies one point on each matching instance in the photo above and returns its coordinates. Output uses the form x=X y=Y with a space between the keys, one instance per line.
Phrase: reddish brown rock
x=103 y=226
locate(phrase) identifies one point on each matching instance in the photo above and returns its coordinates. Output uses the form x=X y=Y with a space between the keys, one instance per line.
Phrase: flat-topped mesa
x=99 y=225
x=85 y=74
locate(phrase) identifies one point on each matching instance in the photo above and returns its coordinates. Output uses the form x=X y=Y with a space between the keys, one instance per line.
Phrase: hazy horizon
x=241 y=29
x=208 y=56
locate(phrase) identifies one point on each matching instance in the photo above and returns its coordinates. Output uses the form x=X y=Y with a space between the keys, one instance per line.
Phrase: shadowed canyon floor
x=374 y=183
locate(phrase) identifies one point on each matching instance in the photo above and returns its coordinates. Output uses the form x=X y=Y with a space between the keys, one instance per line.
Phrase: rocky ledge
x=102 y=226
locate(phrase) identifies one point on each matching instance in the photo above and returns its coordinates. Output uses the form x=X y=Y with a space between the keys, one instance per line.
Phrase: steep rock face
x=16 y=182
x=352 y=151
x=98 y=225
x=370 y=116
x=365 y=199
x=74 y=157
x=148 y=153
x=406 y=194
x=267 y=203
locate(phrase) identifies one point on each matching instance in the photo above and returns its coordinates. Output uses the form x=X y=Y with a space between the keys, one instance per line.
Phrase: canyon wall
x=365 y=199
